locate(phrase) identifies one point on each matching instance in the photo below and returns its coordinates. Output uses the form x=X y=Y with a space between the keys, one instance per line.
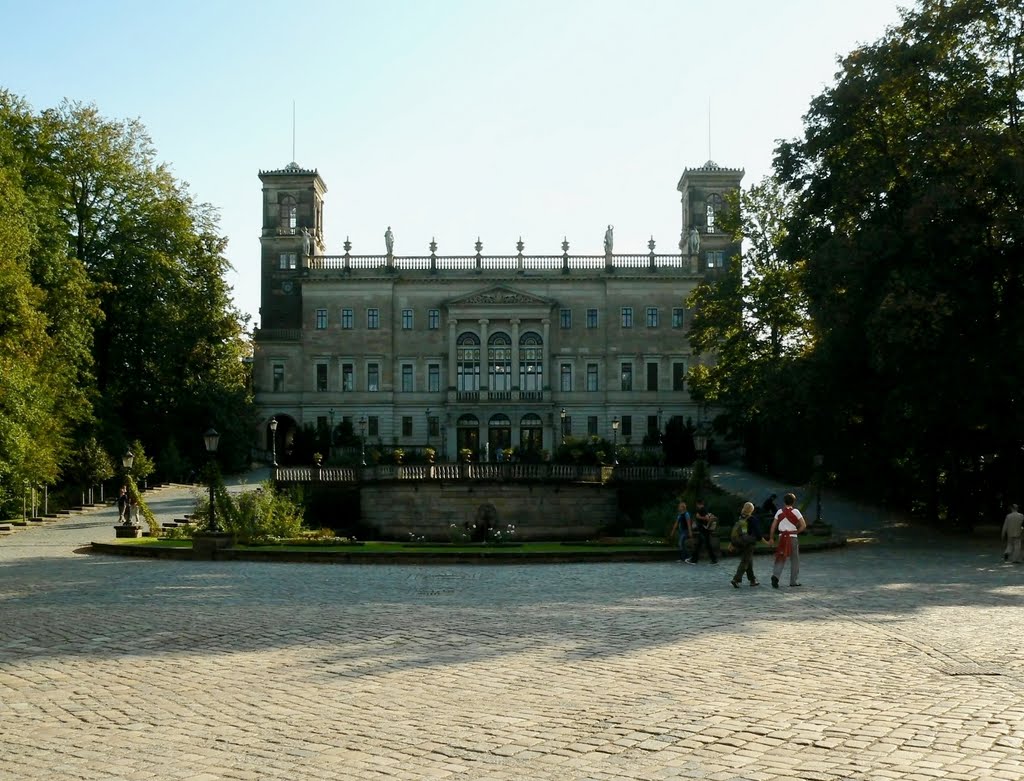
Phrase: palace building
x=484 y=352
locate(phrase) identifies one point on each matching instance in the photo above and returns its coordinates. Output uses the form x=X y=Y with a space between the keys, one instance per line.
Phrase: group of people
x=787 y=523
x=127 y=507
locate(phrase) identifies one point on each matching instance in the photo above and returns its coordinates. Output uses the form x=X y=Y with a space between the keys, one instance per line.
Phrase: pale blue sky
x=450 y=118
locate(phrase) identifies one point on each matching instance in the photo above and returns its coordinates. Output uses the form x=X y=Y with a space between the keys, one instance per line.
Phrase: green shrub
x=253 y=515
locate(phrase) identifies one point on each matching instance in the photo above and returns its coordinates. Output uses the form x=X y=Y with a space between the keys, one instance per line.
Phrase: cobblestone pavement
x=882 y=666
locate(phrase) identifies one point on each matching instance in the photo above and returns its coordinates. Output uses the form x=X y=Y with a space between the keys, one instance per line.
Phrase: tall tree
x=752 y=319
x=910 y=183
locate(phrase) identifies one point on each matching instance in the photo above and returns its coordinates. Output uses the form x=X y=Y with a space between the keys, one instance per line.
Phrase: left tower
x=293 y=220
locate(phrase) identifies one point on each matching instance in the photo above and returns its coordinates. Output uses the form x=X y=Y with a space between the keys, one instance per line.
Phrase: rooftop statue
x=609 y=239
x=694 y=241
x=389 y=240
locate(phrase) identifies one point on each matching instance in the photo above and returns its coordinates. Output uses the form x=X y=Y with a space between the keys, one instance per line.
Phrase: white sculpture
x=694 y=241
x=389 y=240
x=609 y=240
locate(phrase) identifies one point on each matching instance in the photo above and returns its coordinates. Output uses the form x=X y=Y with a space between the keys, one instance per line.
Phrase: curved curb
x=495 y=556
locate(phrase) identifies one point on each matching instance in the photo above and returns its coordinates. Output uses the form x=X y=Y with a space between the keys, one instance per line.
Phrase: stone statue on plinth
x=305 y=242
x=609 y=240
x=389 y=241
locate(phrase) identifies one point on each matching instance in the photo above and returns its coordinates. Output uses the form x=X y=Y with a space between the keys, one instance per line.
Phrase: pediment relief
x=499 y=296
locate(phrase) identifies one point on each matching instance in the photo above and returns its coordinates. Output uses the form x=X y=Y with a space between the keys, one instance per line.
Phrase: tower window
x=288 y=215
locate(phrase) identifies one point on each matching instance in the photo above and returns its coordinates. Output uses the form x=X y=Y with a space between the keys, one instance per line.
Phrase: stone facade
x=428 y=510
x=480 y=351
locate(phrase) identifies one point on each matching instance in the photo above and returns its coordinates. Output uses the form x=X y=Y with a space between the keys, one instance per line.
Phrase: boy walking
x=744 y=538
x=789 y=522
x=681 y=528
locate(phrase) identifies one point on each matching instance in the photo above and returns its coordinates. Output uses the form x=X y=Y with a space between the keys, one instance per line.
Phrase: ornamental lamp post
x=563 y=416
x=127 y=461
x=819 y=461
x=211 y=439
x=615 y=440
x=362 y=437
x=700 y=442
x=273 y=441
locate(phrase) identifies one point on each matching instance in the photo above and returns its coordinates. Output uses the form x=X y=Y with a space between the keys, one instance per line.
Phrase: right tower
x=703 y=197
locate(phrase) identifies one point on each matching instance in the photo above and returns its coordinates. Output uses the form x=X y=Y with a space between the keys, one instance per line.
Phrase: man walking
x=789 y=522
x=1012 y=535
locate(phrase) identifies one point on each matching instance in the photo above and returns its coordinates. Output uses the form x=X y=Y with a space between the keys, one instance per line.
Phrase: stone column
x=515 y=353
x=549 y=355
x=453 y=336
x=483 y=351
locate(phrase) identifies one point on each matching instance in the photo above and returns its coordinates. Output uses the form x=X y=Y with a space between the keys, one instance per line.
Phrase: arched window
x=467 y=421
x=467 y=360
x=531 y=432
x=715 y=204
x=531 y=362
x=499 y=362
x=287 y=214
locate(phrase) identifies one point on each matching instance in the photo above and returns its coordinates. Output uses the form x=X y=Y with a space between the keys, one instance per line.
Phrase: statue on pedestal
x=609 y=240
x=305 y=242
x=389 y=241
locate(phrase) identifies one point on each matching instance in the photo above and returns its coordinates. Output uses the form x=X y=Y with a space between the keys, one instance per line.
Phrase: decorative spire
x=565 y=245
x=347 y=245
x=479 y=245
x=650 y=244
x=520 y=245
x=433 y=245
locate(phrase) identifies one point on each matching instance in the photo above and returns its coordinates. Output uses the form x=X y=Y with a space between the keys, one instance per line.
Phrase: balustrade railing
x=569 y=473
x=495 y=262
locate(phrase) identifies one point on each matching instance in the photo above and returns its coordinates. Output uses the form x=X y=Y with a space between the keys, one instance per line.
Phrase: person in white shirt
x=1012 y=534
x=789 y=523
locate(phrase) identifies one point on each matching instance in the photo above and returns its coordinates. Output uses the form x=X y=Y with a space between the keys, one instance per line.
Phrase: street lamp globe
x=128 y=459
x=211 y=439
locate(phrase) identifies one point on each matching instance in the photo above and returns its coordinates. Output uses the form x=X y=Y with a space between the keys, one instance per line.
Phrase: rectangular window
x=565 y=318
x=591 y=318
x=592 y=425
x=288 y=261
x=321 y=377
x=652 y=317
x=677 y=317
x=373 y=427
x=565 y=372
x=406 y=319
x=627 y=376
x=321 y=423
x=627 y=317
x=627 y=425
x=433 y=426
x=678 y=376
x=346 y=319
x=407 y=382
x=321 y=319
x=716 y=258
x=652 y=427
x=652 y=376
x=373 y=377
x=348 y=380
x=434 y=377
x=567 y=426
x=433 y=319
x=407 y=425
x=278 y=377
x=591 y=377
x=373 y=319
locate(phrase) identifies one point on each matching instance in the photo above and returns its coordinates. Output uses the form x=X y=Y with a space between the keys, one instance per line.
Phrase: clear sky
x=445 y=118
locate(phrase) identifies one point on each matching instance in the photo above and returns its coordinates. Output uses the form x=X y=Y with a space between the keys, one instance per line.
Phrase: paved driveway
x=114 y=668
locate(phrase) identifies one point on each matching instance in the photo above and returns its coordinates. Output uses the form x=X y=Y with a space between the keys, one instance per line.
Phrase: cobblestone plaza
x=900 y=658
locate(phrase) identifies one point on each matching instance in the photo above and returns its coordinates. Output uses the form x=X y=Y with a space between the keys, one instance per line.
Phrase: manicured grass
x=414 y=549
